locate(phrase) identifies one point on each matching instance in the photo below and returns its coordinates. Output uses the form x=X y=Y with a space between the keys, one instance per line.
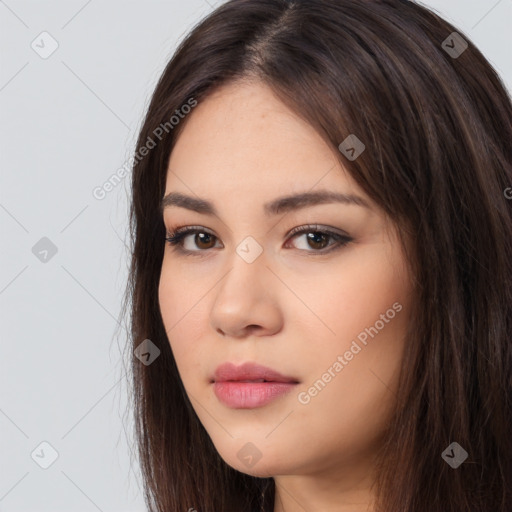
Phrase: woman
x=321 y=282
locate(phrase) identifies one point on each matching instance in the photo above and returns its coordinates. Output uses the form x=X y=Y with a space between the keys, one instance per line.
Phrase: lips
x=249 y=372
x=250 y=385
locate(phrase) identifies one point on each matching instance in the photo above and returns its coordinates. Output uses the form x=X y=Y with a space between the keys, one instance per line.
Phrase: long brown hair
x=437 y=127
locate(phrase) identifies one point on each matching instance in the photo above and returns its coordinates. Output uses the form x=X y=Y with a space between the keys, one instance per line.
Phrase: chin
x=263 y=468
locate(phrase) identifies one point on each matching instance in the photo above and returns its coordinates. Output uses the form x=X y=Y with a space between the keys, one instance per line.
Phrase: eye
x=317 y=238
x=202 y=239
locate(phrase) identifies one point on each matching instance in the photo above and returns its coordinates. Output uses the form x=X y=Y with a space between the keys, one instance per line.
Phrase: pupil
x=314 y=237
x=202 y=237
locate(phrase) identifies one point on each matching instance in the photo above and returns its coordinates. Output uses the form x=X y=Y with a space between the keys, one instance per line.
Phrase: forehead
x=243 y=139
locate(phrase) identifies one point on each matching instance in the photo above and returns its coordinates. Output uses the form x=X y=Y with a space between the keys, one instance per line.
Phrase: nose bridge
x=243 y=298
x=248 y=266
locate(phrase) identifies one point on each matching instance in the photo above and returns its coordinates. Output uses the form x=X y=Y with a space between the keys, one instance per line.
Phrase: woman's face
x=329 y=312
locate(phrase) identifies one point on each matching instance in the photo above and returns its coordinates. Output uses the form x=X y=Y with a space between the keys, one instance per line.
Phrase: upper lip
x=248 y=371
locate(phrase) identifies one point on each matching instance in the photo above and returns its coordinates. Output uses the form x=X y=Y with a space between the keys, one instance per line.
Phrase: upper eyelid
x=317 y=227
x=186 y=230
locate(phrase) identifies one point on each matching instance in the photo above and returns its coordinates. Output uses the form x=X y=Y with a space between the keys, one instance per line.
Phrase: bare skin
x=298 y=307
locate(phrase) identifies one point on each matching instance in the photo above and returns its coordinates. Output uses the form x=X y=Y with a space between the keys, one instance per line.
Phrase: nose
x=247 y=300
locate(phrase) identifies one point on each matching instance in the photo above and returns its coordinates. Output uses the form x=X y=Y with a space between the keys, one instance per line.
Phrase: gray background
x=68 y=122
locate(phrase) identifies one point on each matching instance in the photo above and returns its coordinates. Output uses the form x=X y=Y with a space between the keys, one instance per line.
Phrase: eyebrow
x=275 y=207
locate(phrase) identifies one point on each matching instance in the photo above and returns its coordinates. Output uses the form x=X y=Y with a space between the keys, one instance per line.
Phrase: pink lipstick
x=250 y=385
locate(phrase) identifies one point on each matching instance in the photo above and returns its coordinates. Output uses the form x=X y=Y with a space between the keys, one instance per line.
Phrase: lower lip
x=248 y=395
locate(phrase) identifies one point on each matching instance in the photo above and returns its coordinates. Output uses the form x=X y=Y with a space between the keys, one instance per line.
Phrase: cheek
x=183 y=319
x=353 y=294
x=179 y=298
x=349 y=408
x=167 y=291
x=365 y=305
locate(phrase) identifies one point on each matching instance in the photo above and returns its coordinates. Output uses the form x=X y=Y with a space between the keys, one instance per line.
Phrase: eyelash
x=176 y=238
